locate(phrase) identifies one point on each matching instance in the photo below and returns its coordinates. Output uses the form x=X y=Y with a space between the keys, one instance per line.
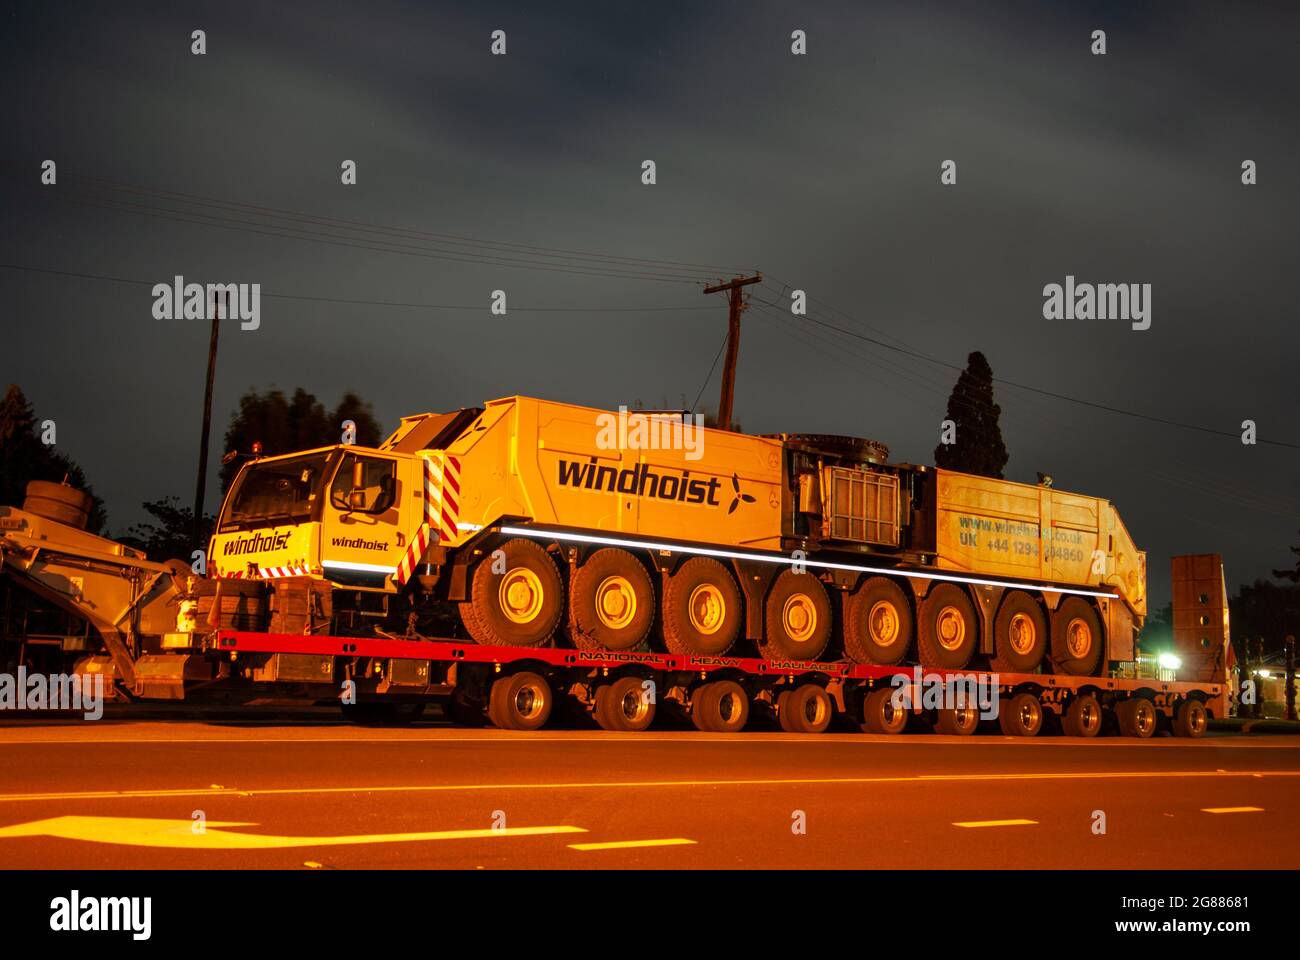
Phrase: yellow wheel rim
x=883 y=623
x=521 y=595
x=1023 y=633
x=707 y=608
x=1078 y=638
x=799 y=617
x=615 y=602
x=951 y=628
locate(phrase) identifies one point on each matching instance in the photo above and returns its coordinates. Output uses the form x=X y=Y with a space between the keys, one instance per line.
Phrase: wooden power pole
x=200 y=488
x=735 y=305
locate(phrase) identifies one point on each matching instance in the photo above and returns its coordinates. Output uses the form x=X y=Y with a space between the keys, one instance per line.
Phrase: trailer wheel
x=611 y=602
x=1077 y=639
x=721 y=706
x=948 y=633
x=957 y=721
x=1083 y=717
x=1019 y=634
x=1137 y=718
x=701 y=608
x=521 y=701
x=797 y=618
x=880 y=714
x=877 y=623
x=805 y=709
x=1190 y=719
x=1021 y=715
x=520 y=606
x=624 y=705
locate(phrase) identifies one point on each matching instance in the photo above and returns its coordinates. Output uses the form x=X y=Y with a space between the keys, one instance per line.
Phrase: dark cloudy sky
x=821 y=170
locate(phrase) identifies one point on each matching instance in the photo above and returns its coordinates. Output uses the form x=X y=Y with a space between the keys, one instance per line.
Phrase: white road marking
x=633 y=784
x=993 y=823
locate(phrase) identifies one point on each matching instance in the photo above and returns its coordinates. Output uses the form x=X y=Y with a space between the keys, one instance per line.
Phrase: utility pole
x=200 y=490
x=736 y=305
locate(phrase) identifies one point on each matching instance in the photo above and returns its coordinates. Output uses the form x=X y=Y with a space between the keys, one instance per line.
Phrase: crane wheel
x=521 y=701
x=805 y=709
x=947 y=630
x=702 y=610
x=1190 y=719
x=1083 y=717
x=1137 y=718
x=625 y=705
x=1020 y=634
x=878 y=623
x=1021 y=715
x=516 y=596
x=881 y=713
x=611 y=602
x=1077 y=639
x=721 y=706
x=957 y=721
x=797 y=618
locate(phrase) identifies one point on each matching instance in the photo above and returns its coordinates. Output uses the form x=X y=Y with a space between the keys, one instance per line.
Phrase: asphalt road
x=316 y=794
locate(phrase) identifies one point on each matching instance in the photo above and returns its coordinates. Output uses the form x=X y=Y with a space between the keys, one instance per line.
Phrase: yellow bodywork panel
x=555 y=463
x=999 y=528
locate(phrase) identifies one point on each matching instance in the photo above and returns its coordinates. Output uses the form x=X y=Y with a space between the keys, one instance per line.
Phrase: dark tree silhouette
x=300 y=422
x=170 y=536
x=978 y=448
x=23 y=457
x=1292 y=575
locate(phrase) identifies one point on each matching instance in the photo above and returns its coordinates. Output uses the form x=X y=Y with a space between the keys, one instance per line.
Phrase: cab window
x=364 y=484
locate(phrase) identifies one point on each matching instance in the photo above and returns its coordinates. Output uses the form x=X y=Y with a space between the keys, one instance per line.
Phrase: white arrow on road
x=181 y=835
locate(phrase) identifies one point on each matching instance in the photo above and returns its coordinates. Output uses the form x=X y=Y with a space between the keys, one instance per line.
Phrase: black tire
x=879 y=713
x=957 y=721
x=521 y=701
x=947 y=630
x=1137 y=718
x=1077 y=638
x=1190 y=719
x=878 y=624
x=1020 y=634
x=721 y=706
x=522 y=605
x=624 y=705
x=702 y=611
x=1021 y=715
x=1083 y=717
x=796 y=618
x=805 y=709
x=611 y=602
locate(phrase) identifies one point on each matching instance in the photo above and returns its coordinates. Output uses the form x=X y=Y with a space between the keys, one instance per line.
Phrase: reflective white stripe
x=365 y=567
x=768 y=558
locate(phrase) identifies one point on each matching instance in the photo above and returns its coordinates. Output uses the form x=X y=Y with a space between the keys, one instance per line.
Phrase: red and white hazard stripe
x=441 y=508
x=264 y=573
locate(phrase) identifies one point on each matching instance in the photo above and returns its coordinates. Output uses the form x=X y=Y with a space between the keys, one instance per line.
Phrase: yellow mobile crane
x=534 y=525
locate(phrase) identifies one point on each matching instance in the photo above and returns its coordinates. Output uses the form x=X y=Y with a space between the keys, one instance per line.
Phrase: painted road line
x=627 y=844
x=1232 y=809
x=634 y=784
x=690 y=739
x=182 y=834
x=994 y=823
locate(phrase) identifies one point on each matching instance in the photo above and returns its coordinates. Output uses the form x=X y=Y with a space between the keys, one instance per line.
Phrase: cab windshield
x=277 y=491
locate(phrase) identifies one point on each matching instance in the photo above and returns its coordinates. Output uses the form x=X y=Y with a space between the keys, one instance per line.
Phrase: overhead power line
x=369 y=303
